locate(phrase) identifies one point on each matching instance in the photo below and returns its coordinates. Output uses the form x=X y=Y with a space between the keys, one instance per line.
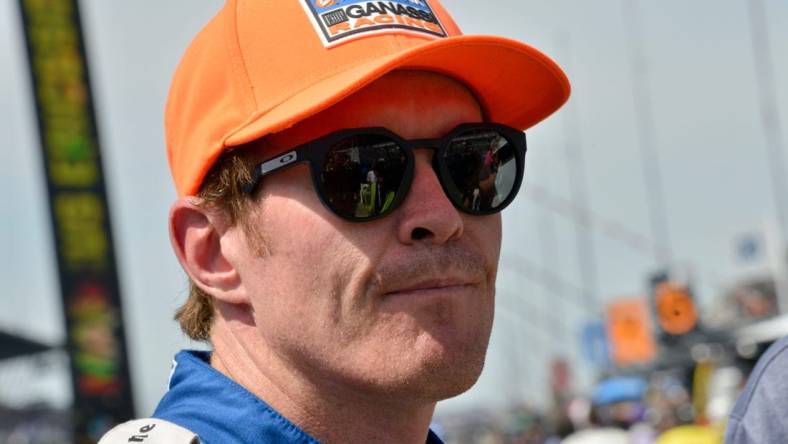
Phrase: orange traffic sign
x=676 y=311
x=630 y=332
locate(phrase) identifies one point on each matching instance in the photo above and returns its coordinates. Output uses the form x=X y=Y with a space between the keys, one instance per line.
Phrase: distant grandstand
x=39 y=414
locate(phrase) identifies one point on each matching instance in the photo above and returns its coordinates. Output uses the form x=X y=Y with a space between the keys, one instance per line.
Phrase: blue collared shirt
x=220 y=411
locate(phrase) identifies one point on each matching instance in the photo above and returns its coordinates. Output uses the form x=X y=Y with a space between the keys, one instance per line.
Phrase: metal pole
x=767 y=88
x=549 y=253
x=575 y=161
x=647 y=134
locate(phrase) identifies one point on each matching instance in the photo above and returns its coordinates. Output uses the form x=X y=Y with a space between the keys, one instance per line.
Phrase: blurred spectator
x=598 y=435
x=690 y=434
x=761 y=411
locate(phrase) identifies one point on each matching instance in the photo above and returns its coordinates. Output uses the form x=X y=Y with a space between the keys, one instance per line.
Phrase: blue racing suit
x=220 y=411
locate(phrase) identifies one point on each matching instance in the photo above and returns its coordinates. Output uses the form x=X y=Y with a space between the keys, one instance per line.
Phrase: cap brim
x=516 y=84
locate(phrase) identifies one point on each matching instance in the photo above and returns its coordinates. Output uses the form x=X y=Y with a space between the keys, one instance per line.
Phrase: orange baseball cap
x=260 y=66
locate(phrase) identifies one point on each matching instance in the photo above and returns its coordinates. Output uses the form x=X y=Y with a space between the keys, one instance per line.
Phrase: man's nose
x=427 y=214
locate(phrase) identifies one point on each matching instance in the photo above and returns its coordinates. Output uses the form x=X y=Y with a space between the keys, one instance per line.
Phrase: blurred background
x=643 y=268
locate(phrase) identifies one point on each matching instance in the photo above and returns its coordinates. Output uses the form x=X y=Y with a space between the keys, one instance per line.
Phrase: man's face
x=401 y=305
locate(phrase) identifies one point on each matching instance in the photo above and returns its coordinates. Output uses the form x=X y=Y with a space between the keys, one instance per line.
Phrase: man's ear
x=196 y=235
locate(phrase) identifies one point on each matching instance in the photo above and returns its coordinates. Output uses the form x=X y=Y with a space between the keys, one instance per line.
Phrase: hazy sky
x=709 y=139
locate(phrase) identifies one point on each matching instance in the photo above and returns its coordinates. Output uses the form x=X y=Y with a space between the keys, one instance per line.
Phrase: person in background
x=761 y=412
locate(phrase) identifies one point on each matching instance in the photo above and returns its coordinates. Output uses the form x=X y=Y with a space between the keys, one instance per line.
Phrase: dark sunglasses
x=363 y=174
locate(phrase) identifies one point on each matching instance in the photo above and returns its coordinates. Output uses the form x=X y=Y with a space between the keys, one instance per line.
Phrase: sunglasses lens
x=480 y=170
x=361 y=176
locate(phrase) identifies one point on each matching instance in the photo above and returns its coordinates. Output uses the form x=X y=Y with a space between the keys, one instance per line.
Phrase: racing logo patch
x=340 y=21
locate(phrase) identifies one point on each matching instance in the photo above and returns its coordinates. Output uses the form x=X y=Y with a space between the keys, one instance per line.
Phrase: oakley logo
x=287 y=158
x=278 y=162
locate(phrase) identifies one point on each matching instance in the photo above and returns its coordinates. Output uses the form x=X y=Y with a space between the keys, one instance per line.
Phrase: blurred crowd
x=678 y=404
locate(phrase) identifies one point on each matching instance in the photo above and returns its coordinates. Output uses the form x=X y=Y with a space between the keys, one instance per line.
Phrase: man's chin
x=458 y=383
x=450 y=358
x=439 y=375
x=448 y=380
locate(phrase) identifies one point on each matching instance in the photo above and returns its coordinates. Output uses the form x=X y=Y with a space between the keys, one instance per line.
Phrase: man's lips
x=431 y=286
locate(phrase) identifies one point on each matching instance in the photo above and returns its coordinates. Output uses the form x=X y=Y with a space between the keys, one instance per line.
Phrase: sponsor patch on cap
x=340 y=21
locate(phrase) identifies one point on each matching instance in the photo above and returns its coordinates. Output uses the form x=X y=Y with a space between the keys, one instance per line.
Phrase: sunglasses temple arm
x=249 y=187
x=269 y=166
